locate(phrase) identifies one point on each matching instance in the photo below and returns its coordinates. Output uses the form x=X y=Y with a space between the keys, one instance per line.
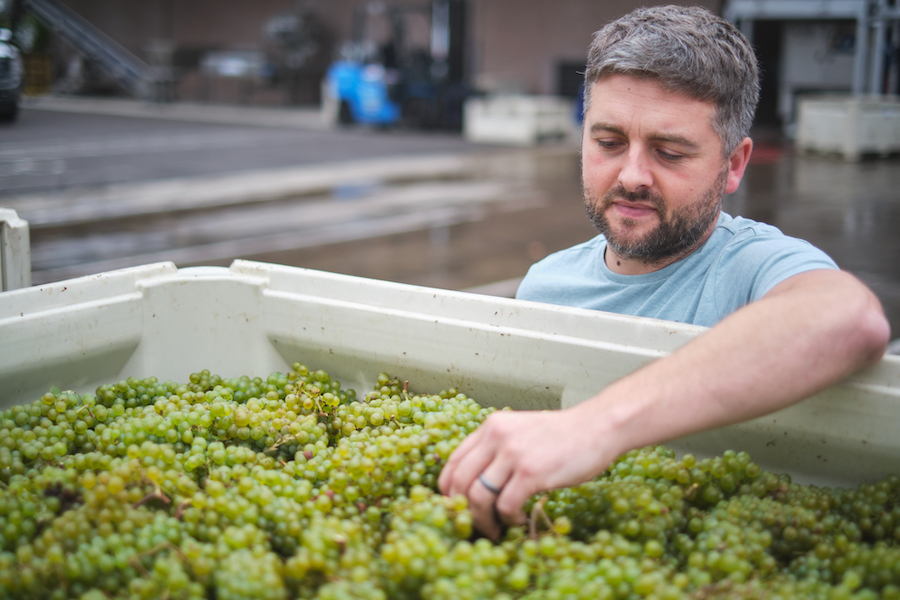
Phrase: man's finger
x=512 y=499
x=483 y=494
x=470 y=459
x=456 y=457
x=469 y=468
x=481 y=505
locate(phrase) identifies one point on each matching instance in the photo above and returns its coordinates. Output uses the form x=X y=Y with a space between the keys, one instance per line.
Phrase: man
x=670 y=94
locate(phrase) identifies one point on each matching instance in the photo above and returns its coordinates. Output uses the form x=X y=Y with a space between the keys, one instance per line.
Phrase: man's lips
x=633 y=210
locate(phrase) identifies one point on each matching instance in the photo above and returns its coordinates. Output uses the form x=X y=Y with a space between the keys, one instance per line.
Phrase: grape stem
x=156 y=493
x=538 y=511
x=278 y=443
x=135 y=560
x=690 y=492
x=179 y=512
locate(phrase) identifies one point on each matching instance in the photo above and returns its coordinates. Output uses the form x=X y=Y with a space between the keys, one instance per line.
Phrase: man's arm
x=809 y=332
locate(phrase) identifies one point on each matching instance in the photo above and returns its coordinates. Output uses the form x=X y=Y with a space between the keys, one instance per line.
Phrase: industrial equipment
x=297 y=46
x=384 y=77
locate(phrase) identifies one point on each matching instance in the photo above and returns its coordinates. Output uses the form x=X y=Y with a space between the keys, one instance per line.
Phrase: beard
x=676 y=235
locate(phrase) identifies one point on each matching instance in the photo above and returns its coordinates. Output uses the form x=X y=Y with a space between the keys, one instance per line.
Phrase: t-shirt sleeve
x=754 y=262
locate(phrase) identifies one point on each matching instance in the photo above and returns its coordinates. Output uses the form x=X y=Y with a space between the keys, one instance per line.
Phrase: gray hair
x=689 y=50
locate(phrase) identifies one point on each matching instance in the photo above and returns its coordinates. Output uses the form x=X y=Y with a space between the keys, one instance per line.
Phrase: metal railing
x=137 y=77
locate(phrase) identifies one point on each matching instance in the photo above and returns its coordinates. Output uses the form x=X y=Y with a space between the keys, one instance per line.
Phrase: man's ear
x=737 y=162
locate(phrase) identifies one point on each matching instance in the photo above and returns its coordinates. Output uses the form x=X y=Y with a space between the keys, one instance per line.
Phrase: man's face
x=653 y=171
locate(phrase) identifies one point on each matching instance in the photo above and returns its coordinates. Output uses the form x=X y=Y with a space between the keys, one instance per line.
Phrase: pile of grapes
x=291 y=487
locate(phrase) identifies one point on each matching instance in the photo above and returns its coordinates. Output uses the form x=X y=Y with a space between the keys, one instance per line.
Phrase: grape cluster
x=292 y=487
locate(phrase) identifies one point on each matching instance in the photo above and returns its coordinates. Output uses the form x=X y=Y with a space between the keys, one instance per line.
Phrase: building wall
x=192 y=28
x=129 y=22
x=231 y=24
x=518 y=44
x=512 y=44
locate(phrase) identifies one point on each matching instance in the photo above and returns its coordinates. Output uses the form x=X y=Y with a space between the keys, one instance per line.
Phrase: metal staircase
x=138 y=78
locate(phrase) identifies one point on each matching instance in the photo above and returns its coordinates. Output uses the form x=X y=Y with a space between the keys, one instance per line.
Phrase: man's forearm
x=809 y=332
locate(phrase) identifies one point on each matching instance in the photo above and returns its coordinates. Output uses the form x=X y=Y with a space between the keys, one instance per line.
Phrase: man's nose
x=635 y=174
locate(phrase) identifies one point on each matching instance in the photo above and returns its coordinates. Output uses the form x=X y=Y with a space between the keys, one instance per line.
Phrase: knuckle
x=497 y=426
x=527 y=471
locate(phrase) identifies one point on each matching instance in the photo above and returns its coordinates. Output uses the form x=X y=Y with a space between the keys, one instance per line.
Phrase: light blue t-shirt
x=739 y=262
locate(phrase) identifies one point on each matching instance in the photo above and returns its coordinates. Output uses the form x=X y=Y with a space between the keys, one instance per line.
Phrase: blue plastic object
x=365 y=90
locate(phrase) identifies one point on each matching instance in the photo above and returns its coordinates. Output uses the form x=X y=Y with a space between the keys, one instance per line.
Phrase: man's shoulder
x=733 y=233
x=761 y=251
x=742 y=226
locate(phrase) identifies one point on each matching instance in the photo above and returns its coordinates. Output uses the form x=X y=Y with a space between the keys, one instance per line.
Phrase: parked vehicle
x=11 y=77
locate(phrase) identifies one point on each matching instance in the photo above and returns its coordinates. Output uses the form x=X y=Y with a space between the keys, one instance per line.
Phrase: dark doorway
x=767 y=43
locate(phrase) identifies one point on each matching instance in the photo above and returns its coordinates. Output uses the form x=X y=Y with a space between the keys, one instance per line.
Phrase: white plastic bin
x=850 y=126
x=255 y=318
x=517 y=119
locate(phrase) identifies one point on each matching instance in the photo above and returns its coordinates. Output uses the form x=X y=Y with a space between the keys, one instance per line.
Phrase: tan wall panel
x=129 y=22
x=517 y=44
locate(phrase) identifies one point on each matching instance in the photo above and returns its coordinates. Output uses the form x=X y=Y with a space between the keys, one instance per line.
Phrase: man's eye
x=669 y=156
x=608 y=144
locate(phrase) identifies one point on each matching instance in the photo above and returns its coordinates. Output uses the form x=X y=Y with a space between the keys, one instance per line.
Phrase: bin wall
x=256 y=318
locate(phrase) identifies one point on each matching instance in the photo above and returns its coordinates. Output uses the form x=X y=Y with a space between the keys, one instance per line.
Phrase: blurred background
x=432 y=142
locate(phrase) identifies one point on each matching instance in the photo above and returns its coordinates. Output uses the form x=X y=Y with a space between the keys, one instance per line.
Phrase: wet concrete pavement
x=65 y=145
x=480 y=226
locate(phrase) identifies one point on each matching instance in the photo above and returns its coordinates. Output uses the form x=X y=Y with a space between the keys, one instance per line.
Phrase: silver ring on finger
x=490 y=486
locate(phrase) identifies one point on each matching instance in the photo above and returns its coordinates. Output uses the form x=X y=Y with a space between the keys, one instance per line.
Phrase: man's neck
x=633 y=266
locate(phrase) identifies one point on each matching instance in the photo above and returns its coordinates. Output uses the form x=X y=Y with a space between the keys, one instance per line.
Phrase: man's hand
x=522 y=453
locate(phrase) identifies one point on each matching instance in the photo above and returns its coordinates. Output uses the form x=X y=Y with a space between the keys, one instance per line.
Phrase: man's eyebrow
x=670 y=138
x=607 y=127
x=675 y=139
